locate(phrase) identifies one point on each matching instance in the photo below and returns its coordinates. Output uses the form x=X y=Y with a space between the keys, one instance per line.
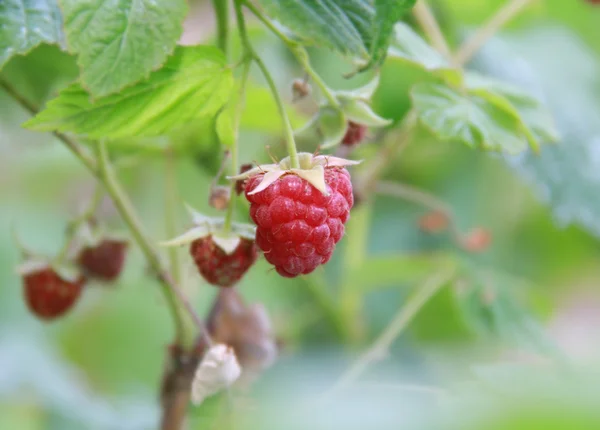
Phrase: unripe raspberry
x=298 y=225
x=218 y=267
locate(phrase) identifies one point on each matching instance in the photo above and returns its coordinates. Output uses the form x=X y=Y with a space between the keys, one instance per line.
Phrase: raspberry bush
x=275 y=202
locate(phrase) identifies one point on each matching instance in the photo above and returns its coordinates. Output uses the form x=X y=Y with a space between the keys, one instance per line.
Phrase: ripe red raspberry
x=298 y=226
x=48 y=295
x=355 y=133
x=218 y=267
x=104 y=261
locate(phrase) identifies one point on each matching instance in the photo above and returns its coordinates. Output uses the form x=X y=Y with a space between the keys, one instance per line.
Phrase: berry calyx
x=103 y=261
x=300 y=213
x=48 y=294
x=219 y=267
x=355 y=134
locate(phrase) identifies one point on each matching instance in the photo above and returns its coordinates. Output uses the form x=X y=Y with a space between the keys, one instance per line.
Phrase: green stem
x=125 y=208
x=300 y=54
x=380 y=347
x=171 y=226
x=288 y=131
x=507 y=12
x=240 y=102
x=431 y=28
x=222 y=15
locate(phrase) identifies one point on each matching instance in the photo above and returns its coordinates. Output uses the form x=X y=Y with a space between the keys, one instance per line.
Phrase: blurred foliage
x=484 y=353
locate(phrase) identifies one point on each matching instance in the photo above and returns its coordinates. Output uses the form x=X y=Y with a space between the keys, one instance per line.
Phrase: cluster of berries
x=50 y=292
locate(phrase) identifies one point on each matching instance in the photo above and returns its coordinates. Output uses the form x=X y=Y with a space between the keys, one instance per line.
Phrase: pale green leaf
x=410 y=47
x=536 y=119
x=24 y=24
x=565 y=74
x=467 y=118
x=120 y=42
x=193 y=83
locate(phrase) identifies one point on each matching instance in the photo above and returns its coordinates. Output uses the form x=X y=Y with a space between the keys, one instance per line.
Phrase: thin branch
x=171 y=226
x=299 y=52
x=380 y=347
x=289 y=132
x=75 y=148
x=121 y=201
x=487 y=31
x=239 y=108
x=222 y=16
x=431 y=28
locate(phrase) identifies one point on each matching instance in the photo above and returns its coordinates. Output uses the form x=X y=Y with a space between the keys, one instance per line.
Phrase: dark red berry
x=355 y=134
x=104 y=261
x=49 y=296
x=297 y=225
x=218 y=267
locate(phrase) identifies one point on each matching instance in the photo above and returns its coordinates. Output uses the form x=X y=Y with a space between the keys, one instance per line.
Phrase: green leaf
x=566 y=76
x=122 y=41
x=24 y=24
x=343 y=25
x=387 y=13
x=410 y=47
x=361 y=28
x=535 y=118
x=193 y=83
x=467 y=118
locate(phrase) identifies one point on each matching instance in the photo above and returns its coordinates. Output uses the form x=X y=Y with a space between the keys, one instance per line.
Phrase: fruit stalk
x=300 y=54
x=222 y=16
x=249 y=50
x=234 y=149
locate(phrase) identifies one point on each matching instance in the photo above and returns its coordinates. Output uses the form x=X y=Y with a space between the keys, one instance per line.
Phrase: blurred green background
x=528 y=360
